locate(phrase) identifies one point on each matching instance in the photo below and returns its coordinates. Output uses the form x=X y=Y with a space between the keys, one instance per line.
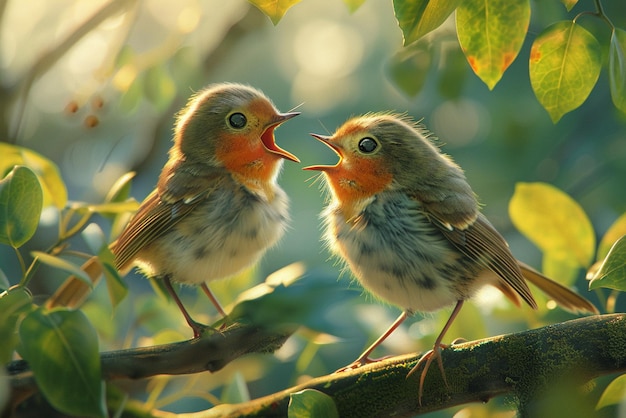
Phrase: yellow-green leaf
x=274 y=9
x=569 y=4
x=21 y=201
x=61 y=348
x=614 y=393
x=54 y=191
x=554 y=222
x=159 y=88
x=418 y=17
x=563 y=270
x=617 y=68
x=565 y=63
x=353 y=5
x=615 y=232
x=612 y=272
x=491 y=34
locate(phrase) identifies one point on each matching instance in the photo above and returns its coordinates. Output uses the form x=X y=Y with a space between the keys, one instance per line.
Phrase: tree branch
x=523 y=364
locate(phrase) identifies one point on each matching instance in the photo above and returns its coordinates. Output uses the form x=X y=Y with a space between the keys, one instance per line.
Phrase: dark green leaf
x=617 y=68
x=491 y=34
x=61 y=347
x=13 y=303
x=416 y=18
x=311 y=403
x=409 y=67
x=453 y=73
x=565 y=63
x=21 y=202
x=612 y=272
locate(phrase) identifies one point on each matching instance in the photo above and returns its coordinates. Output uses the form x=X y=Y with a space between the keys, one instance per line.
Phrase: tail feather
x=564 y=297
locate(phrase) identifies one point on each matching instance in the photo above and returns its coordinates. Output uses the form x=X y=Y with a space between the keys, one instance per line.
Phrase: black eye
x=367 y=145
x=237 y=120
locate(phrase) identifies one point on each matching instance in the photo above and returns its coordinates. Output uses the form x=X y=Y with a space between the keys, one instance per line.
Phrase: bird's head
x=232 y=126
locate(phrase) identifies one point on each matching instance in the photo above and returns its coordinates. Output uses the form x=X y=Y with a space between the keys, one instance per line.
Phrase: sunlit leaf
x=614 y=394
x=274 y=9
x=21 y=201
x=554 y=222
x=61 y=348
x=617 y=68
x=569 y=4
x=54 y=191
x=410 y=66
x=612 y=272
x=564 y=270
x=120 y=191
x=353 y=5
x=62 y=264
x=311 y=403
x=491 y=34
x=13 y=303
x=416 y=18
x=615 y=232
x=565 y=63
x=110 y=207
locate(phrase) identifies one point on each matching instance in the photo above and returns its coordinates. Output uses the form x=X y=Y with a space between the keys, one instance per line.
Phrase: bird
x=404 y=219
x=217 y=206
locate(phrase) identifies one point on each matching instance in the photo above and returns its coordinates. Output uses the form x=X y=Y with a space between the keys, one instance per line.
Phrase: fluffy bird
x=407 y=223
x=217 y=206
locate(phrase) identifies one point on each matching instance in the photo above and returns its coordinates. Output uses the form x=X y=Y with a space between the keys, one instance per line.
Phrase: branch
x=524 y=364
x=210 y=352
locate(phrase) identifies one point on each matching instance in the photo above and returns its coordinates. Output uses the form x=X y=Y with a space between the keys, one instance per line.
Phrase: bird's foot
x=426 y=360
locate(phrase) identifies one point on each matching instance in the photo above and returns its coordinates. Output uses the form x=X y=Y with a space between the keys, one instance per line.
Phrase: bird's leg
x=195 y=326
x=435 y=353
x=215 y=302
x=364 y=358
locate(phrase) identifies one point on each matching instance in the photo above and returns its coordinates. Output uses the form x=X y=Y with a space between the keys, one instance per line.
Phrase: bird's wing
x=174 y=198
x=483 y=244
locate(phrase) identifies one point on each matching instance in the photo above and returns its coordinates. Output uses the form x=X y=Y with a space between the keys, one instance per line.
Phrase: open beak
x=269 y=142
x=326 y=141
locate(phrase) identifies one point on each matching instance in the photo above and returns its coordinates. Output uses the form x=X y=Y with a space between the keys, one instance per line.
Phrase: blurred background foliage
x=94 y=86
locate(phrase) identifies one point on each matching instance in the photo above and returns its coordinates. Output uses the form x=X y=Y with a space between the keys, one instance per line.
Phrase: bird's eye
x=237 y=120
x=367 y=145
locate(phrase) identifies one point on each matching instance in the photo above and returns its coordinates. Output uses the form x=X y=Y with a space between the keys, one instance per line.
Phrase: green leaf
x=617 y=68
x=565 y=63
x=353 y=5
x=21 y=201
x=62 y=264
x=54 y=191
x=614 y=393
x=4 y=281
x=615 y=232
x=274 y=9
x=612 y=272
x=61 y=348
x=565 y=270
x=569 y=4
x=453 y=74
x=106 y=208
x=416 y=18
x=311 y=403
x=13 y=303
x=236 y=391
x=491 y=34
x=410 y=66
x=554 y=222
x=120 y=191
